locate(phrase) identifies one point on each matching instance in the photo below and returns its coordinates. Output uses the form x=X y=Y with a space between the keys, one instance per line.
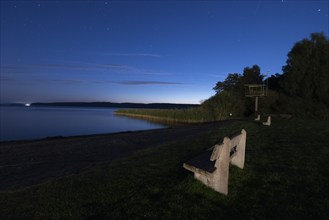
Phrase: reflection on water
x=20 y=123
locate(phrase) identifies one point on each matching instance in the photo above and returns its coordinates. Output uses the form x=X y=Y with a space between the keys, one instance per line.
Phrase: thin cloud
x=8 y=80
x=133 y=54
x=149 y=72
x=102 y=67
x=86 y=67
x=62 y=66
x=39 y=79
x=137 y=83
x=8 y=67
x=39 y=72
x=78 y=81
x=112 y=65
x=13 y=70
x=66 y=81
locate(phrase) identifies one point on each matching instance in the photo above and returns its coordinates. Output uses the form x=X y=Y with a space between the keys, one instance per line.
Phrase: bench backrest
x=236 y=145
x=231 y=150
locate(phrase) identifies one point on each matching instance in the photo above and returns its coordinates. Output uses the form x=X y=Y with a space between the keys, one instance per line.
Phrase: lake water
x=24 y=123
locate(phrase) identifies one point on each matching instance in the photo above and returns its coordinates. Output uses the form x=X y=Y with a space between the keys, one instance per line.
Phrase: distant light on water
x=27 y=104
x=52 y=122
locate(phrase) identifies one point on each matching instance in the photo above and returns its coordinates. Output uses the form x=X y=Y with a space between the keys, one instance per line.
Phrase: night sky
x=144 y=51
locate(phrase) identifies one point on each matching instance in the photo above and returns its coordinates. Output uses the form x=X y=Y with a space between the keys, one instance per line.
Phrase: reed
x=189 y=115
x=218 y=107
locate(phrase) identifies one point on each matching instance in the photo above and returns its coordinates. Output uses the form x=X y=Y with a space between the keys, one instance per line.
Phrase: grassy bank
x=218 y=107
x=189 y=115
x=285 y=177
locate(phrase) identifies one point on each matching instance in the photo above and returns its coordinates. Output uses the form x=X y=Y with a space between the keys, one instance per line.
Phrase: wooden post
x=256 y=105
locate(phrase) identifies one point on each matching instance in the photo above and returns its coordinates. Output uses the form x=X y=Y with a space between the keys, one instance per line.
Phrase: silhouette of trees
x=230 y=83
x=302 y=88
x=252 y=75
x=235 y=81
x=274 y=82
x=306 y=73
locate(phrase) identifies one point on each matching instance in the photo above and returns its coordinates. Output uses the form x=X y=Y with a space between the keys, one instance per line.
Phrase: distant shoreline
x=106 y=104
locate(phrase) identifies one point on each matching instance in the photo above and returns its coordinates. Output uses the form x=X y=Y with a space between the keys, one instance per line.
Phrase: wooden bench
x=212 y=166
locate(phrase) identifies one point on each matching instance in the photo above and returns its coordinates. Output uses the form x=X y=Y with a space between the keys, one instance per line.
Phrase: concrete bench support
x=268 y=122
x=212 y=167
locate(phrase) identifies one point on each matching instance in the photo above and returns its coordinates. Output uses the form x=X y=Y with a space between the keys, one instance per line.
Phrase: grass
x=188 y=115
x=286 y=176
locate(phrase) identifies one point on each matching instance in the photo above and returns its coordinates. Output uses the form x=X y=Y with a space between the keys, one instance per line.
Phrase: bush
x=301 y=107
x=223 y=105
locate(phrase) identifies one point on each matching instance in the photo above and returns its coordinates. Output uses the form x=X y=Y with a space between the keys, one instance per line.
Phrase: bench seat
x=201 y=163
x=212 y=166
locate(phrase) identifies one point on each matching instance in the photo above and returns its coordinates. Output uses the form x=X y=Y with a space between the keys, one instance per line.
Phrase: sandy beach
x=26 y=163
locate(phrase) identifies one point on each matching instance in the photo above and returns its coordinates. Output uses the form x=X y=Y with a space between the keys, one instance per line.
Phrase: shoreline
x=60 y=137
x=26 y=163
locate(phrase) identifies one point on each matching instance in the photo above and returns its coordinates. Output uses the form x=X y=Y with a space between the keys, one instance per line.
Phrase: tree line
x=301 y=89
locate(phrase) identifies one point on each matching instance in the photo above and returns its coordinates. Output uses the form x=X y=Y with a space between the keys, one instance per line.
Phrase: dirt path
x=31 y=162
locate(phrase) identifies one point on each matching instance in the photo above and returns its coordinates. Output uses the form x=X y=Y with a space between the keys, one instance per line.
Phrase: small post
x=256 y=105
x=268 y=122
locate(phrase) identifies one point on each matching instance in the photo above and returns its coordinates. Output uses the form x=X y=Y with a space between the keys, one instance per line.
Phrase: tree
x=252 y=75
x=235 y=81
x=230 y=83
x=234 y=85
x=306 y=73
x=274 y=82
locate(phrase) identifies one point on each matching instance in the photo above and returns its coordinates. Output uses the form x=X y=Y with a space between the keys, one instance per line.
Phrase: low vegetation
x=189 y=115
x=219 y=107
x=285 y=177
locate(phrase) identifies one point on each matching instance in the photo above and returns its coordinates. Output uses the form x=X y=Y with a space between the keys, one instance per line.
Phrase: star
x=319 y=9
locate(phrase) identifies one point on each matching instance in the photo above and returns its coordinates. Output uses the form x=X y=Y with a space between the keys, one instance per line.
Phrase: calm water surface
x=23 y=123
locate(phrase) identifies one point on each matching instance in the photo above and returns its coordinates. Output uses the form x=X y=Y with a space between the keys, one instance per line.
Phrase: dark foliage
x=235 y=81
x=252 y=75
x=306 y=73
x=274 y=82
x=302 y=89
x=232 y=82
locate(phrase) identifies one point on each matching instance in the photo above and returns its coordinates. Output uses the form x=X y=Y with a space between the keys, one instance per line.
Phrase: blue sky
x=144 y=51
